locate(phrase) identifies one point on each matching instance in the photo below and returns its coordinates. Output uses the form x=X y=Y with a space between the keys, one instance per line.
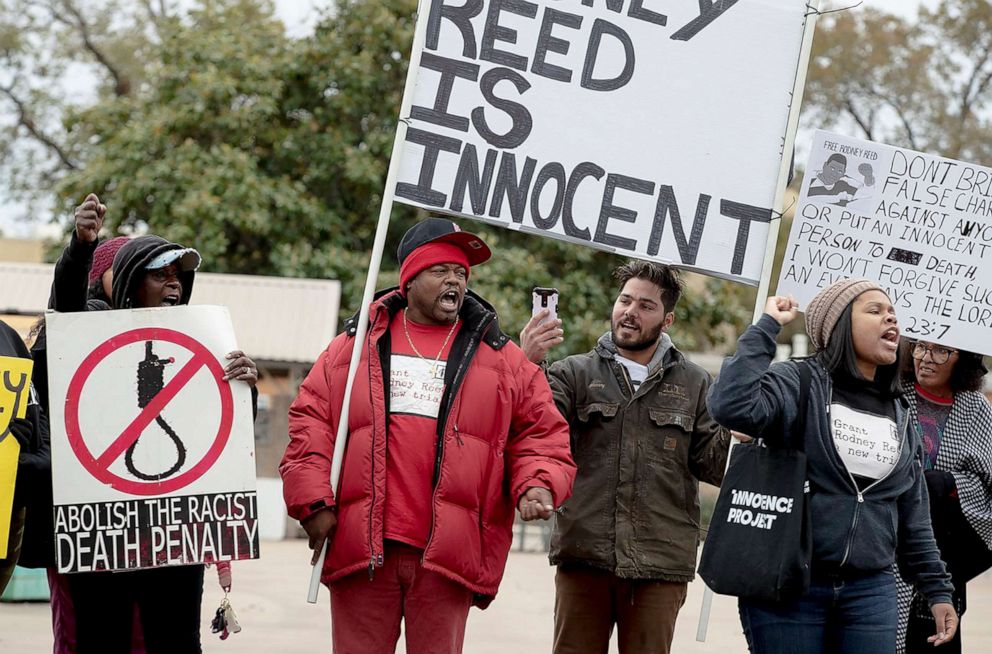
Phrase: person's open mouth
x=448 y=301
x=891 y=338
x=170 y=300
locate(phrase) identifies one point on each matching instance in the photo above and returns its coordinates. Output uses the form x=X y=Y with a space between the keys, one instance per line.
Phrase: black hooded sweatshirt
x=69 y=293
x=34 y=462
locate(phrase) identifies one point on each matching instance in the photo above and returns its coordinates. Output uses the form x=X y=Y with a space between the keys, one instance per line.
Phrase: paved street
x=269 y=596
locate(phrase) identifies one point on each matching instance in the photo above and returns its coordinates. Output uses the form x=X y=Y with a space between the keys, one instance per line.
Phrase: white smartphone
x=545 y=298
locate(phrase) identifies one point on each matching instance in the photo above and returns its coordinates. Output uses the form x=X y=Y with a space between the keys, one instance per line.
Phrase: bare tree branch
x=154 y=15
x=150 y=9
x=971 y=94
x=983 y=85
x=25 y=120
x=156 y=11
x=122 y=84
x=864 y=123
x=906 y=125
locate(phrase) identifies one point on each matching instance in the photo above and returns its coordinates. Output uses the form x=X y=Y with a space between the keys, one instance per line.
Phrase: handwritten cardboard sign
x=918 y=224
x=638 y=127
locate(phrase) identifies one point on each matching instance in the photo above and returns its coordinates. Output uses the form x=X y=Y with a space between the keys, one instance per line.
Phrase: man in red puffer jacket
x=450 y=428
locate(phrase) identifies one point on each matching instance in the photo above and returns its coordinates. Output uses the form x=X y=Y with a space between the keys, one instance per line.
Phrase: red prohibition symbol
x=99 y=464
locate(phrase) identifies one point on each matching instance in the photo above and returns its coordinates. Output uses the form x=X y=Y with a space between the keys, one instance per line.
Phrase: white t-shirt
x=636 y=371
x=414 y=387
x=868 y=444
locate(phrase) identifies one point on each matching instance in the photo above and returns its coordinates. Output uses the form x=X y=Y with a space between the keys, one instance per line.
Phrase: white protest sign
x=152 y=450
x=919 y=225
x=647 y=128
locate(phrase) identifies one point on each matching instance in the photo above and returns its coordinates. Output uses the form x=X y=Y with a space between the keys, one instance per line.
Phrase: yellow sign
x=15 y=391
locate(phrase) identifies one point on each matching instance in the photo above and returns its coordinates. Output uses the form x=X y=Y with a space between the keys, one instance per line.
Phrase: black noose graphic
x=151 y=381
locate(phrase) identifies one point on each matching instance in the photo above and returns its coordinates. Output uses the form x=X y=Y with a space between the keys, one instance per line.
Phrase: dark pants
x=850 y=614
x=168 y=600
x=16 y=533
x=588 y=602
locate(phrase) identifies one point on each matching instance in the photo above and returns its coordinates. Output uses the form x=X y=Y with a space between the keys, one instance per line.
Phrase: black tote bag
x=760 y=541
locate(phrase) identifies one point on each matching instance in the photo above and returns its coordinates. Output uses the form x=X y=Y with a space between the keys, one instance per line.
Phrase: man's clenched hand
x=320 y=528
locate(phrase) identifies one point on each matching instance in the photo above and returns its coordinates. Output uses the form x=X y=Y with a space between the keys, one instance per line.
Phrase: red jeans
x=365 y=615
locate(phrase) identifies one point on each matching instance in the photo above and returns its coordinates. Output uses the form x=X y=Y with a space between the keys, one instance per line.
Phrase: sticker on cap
x=188 y=258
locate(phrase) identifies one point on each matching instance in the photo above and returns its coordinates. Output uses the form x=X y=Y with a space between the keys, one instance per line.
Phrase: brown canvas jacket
x=634 y=510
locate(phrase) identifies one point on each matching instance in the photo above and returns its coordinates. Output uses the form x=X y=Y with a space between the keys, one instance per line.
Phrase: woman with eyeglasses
x=954 y=421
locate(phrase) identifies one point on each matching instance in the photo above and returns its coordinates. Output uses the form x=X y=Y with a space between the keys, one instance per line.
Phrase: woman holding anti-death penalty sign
x=866 y=489
x=147 y=272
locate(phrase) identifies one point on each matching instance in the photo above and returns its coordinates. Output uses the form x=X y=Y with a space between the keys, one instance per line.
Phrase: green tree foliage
x=924 y=85
x=269 y=154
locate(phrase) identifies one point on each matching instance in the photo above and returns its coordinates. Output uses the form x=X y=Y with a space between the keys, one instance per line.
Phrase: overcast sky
x=903 y=7
x=299 y=17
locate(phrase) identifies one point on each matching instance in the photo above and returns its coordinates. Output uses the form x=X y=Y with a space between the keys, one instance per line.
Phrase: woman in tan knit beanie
x=865 y=483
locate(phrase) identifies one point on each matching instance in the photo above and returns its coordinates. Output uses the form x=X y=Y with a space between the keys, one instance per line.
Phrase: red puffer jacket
x=499 y=433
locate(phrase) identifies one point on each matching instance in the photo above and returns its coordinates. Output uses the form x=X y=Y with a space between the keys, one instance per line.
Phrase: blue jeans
x=841 y=614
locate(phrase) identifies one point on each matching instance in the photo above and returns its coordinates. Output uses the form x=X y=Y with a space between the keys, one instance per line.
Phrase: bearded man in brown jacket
x=625 y=543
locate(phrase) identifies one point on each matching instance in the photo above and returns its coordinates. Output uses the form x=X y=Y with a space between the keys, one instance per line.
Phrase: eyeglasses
x=938 y=354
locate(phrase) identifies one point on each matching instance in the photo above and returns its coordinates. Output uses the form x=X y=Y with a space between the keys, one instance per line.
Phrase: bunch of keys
x=225 y=620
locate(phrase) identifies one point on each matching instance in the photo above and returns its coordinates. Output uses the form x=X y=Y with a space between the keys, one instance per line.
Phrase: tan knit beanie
x=824 y=310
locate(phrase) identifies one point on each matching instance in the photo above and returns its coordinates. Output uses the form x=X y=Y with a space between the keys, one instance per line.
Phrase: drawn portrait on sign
x=832 y=184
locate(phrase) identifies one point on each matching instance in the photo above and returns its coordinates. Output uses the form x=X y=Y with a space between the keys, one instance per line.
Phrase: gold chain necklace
x=437 y=359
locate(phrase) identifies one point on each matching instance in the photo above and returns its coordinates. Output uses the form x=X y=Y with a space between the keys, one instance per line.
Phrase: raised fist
x=867 y=172
x=89 y=218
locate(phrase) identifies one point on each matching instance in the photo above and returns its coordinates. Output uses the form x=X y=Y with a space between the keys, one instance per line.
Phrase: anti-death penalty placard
x=644 y=127
x=152 y=450
x=918 y=224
